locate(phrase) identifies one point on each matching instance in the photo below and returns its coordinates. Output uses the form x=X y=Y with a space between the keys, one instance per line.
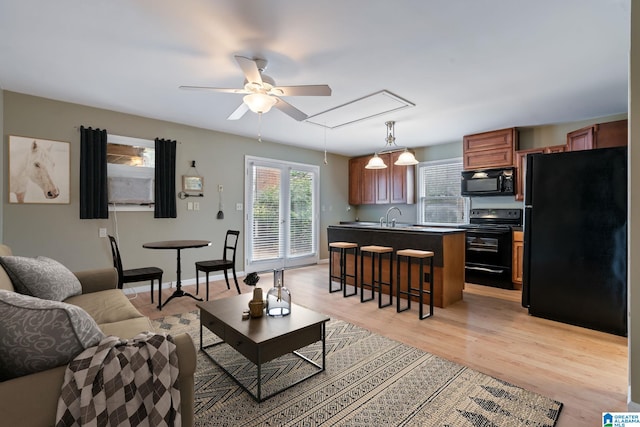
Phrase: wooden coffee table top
x=259 y=330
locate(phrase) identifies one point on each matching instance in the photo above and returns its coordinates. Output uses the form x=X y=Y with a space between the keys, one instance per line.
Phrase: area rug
x=369 y=381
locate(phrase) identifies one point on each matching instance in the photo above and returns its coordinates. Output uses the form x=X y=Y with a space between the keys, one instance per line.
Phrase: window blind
x=439 y=192
x=301 y=229
x=266 y=213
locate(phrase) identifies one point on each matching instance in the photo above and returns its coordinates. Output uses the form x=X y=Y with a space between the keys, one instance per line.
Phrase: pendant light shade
x=406 y=159
x=375 y=163
x=259 y=102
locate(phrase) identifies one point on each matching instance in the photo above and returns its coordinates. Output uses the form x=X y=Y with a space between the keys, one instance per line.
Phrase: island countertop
x=401 y=227
x=447 y=244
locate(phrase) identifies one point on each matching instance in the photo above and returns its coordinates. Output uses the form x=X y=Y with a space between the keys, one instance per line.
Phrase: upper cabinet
x=601 y=135
x=392 y=185
x=493 y=149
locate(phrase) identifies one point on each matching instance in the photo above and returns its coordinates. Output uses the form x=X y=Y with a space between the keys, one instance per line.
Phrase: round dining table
x=176 y=245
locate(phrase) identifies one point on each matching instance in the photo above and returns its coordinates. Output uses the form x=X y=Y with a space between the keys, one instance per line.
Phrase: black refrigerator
x=575 y=238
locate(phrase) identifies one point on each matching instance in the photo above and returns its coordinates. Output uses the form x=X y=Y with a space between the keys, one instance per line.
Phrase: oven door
x=488 y=258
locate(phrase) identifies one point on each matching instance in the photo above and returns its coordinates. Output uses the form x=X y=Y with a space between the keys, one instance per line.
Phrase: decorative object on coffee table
x=256 y=305
x=278 y=297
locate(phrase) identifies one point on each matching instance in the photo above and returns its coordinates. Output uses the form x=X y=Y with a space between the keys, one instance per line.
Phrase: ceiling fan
x=262 y=93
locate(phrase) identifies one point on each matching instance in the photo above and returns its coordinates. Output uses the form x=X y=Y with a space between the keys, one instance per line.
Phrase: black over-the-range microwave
x=488 y=182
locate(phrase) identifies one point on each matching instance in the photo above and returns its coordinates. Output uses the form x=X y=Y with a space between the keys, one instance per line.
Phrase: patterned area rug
x=369 y=380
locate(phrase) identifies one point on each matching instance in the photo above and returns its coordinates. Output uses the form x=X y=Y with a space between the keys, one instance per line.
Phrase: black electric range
x=488 y=246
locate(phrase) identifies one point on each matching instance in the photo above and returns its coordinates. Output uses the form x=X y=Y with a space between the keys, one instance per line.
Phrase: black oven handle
x=486 y=270
x=482 y=250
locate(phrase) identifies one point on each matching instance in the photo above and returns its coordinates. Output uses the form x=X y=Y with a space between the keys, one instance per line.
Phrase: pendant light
x=405 y=159
x=375 y=163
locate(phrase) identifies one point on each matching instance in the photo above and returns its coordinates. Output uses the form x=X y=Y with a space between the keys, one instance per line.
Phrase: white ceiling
x=467 y=65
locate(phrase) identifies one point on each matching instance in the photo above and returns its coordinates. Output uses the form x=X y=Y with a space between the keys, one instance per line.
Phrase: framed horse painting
x=38 y=170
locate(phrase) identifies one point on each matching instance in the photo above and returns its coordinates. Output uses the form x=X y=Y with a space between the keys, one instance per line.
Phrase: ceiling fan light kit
x=261 y=92
x=405 y=159
x=259 y=103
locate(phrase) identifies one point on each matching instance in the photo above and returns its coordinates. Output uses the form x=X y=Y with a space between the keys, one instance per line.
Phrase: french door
x=281 y=200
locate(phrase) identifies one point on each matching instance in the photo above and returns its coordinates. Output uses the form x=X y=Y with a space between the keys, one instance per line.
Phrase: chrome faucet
x=387 y=216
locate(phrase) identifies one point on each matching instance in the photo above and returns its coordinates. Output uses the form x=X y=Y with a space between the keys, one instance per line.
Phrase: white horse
x=36 y=165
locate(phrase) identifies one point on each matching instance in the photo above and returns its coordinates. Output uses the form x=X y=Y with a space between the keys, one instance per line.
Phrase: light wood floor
x=488 y=331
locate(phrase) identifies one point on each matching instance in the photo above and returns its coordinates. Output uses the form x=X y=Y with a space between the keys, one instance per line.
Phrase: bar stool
x=415 y=292
x=343 y=248
x=377 y=252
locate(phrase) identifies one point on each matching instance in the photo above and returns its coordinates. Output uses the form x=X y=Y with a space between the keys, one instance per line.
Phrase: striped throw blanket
x=122 y=383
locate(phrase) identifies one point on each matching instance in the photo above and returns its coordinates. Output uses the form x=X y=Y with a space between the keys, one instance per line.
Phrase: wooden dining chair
x=228 y=262
x=134 y=274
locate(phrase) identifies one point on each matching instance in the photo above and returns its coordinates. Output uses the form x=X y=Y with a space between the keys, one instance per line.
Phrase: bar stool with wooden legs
x=343 y=248
x=377 y=252
x=419 y=292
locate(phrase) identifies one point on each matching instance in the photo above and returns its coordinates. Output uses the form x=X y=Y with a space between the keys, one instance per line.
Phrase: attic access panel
x=363 y=108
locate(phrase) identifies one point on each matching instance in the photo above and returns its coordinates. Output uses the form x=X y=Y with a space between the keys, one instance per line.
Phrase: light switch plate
x=239 y=206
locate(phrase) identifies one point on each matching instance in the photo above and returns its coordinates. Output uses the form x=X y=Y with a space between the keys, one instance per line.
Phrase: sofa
x=32 y=399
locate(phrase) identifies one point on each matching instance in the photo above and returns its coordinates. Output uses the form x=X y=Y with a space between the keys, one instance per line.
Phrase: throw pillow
x=41 y=277
x=36 y=334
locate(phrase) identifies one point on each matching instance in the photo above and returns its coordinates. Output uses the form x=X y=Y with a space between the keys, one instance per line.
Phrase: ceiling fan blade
x=239 y=112
x=306 y=90
x=250 y=69
x=290 y=110
x=215 y=89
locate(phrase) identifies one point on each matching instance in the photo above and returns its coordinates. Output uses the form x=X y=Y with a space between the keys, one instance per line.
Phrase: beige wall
x=56 y=230
x=634 y=211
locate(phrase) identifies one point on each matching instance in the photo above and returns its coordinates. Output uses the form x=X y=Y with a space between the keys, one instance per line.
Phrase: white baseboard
x=145 y=286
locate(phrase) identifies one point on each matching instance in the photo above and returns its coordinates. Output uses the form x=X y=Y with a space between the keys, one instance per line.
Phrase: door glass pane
x=266 y=230
x=301 y=235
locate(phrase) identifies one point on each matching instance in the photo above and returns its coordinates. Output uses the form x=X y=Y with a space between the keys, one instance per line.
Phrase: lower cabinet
x=518 y=259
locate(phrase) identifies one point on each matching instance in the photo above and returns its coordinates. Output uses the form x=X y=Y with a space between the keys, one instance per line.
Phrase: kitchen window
x=439 y=199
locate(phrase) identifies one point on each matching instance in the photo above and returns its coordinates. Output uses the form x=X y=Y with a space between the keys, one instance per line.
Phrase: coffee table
x=264 y=338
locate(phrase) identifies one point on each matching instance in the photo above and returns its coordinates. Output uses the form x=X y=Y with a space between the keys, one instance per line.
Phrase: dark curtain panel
x=93 y=174
x=165 y=185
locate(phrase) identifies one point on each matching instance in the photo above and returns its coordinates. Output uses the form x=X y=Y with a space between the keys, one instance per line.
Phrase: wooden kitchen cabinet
x=601 y=135
x=556 y=149
x=517 y=264
x=487 y=150
x=392 y=185
x=356 y=165
x=401 y=180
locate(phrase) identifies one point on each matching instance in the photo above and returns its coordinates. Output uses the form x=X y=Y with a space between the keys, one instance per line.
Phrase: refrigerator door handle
x=486 y=270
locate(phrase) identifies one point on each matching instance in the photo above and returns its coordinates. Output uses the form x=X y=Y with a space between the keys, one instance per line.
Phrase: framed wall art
x=39 y=170
x=192 y=183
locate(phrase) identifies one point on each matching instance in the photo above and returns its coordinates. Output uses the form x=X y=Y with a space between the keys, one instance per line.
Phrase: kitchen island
x=447 y=244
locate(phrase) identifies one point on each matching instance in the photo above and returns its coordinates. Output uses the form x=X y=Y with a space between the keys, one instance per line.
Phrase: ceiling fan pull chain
x=259 y=127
